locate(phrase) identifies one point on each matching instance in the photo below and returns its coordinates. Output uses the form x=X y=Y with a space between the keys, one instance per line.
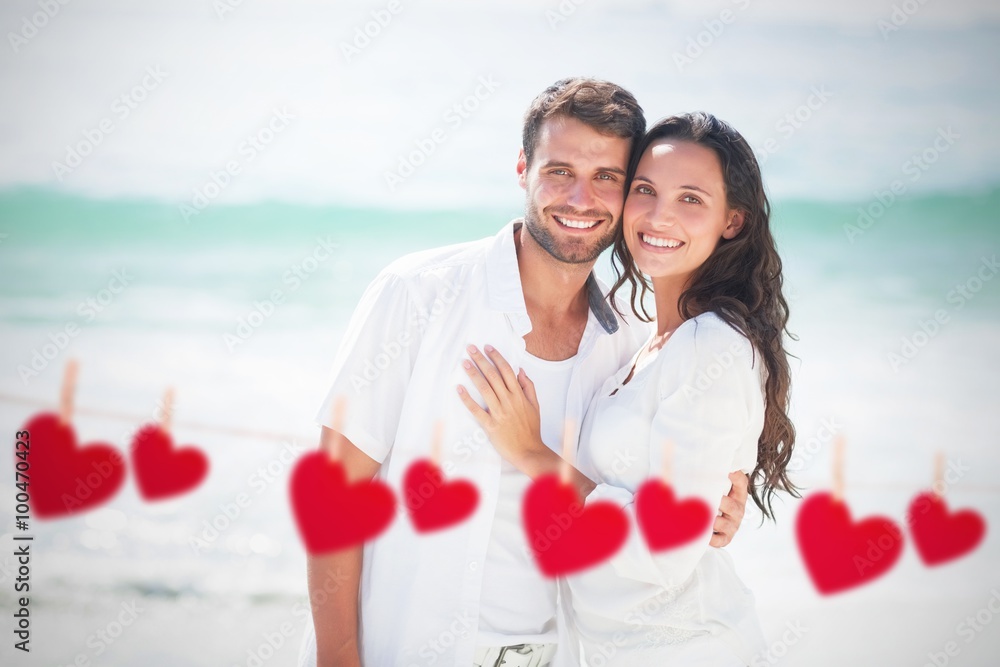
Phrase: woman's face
x=676 y=209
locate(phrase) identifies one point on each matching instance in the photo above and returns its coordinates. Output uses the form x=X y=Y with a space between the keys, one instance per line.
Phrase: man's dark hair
x=607 y=108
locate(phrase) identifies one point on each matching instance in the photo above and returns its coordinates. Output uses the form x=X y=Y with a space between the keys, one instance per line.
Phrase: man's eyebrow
x=557 y=163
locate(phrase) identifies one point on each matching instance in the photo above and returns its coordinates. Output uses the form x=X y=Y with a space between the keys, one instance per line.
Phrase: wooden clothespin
x=337 y=411
x=668 y=462
x=167 y=410
x=939 y=474
x=436 y=439
x=568 y=450
x=839 y=444
x=67 y=392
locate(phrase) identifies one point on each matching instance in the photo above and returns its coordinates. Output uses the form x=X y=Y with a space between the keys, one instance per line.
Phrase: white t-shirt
x=518 y=603
x=398 y=364
x=703 y=391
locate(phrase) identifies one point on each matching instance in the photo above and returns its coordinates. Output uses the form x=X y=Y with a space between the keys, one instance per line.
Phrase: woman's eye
x=691 y=199
x=644 y=189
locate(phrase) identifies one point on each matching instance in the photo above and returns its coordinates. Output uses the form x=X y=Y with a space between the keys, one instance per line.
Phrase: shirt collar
x=503 y=281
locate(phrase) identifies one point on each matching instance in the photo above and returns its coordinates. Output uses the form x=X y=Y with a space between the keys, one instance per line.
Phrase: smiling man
x=471 y=594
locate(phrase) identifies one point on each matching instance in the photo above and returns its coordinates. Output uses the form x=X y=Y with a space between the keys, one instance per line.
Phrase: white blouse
x=703 y=390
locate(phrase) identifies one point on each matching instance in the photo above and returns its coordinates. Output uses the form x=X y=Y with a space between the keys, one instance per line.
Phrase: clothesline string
x=809 y=484
x=198 y=426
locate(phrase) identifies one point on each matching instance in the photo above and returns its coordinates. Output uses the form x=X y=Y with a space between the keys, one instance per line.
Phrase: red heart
x=162 y=471
x=332 y=514
x=66 y=479
x=940 y=536
x=565 y=535
x=433 y=503
x=840 y=554
x=665 y=522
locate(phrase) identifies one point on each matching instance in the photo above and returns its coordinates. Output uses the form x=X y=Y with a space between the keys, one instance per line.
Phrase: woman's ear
x=735 y=226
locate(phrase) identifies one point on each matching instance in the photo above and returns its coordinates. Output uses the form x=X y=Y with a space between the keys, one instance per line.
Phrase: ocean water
x=855 y=298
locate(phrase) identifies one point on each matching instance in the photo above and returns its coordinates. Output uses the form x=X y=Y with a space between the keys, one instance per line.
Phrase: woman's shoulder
x=710 y=333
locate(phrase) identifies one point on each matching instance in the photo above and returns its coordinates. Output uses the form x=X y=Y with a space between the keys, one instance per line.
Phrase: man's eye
x=606 y=177
x=560 y=172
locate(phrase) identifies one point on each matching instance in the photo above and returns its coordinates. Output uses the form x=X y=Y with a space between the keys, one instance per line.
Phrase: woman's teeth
x=660 y=243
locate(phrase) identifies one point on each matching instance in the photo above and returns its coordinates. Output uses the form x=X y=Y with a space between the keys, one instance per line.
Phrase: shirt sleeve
x=711 y=409
x=373 y=365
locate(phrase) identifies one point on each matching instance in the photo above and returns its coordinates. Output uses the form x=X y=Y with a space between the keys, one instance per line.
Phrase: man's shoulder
x=440 y=260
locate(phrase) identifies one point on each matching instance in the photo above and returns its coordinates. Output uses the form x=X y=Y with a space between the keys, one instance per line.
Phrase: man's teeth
x=660 y=243
x=578 y=224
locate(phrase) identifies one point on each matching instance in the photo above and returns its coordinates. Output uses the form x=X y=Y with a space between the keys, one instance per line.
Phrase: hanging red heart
x=565 y=535
x=433 y=503
x=332 y=514
x=666 y=523
x=941 y=536
x=66 y=479
x=162 y=471
x=840 y=554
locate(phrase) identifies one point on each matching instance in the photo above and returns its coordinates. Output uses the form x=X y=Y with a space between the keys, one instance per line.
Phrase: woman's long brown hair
x=740 y=281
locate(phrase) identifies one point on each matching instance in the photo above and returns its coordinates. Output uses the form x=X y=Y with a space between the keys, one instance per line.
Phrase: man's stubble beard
x=578 y=253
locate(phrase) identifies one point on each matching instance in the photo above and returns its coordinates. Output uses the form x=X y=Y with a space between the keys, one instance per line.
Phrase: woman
x=713 y=381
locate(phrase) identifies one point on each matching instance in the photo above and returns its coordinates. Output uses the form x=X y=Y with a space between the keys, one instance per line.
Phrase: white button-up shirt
x=398 y=365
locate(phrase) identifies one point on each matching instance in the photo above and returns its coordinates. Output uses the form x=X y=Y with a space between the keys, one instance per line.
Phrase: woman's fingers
x=723 y=531
x=506 y=372
x=528 y=386
x=483 y=385
x=489 y=371
x=478 y=413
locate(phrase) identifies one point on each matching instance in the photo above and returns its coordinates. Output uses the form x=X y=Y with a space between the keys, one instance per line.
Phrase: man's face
x=575 y=189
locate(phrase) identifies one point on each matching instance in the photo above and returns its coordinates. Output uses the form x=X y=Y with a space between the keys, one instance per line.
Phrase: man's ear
x=522 y=170
x=735 y=226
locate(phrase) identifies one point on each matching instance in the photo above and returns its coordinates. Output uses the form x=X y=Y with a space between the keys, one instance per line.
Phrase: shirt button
x=473 y=566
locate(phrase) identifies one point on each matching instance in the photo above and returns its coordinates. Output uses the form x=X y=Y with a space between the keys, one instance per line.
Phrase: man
x=471 y=594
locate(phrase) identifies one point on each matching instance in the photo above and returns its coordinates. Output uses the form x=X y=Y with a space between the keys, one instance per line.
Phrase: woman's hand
x=512 y=419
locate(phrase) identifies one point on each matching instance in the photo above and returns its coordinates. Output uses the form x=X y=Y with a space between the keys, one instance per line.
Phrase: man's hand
x=731 y=511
